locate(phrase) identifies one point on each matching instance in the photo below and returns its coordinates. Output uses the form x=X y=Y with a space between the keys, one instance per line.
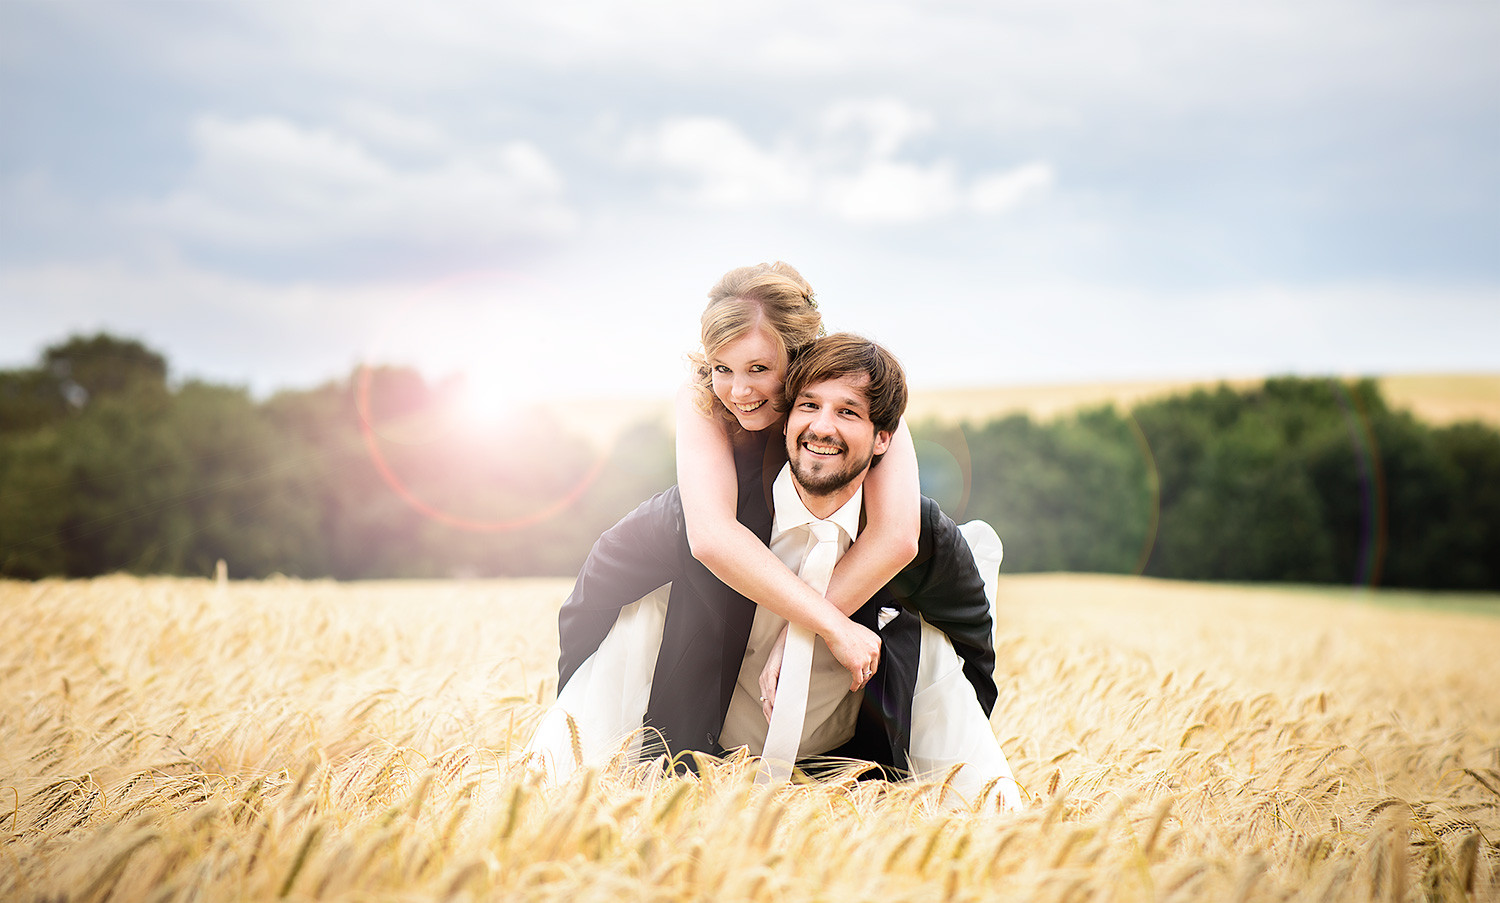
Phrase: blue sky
x=270 y=192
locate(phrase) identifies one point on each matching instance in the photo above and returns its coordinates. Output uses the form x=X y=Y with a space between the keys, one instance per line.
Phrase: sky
x=272 y=192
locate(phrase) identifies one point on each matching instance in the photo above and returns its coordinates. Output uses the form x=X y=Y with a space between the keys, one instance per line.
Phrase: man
x=847 y=396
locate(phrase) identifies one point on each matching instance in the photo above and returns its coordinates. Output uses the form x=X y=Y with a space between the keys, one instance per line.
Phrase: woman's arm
x=710 y=492
x=888 y=543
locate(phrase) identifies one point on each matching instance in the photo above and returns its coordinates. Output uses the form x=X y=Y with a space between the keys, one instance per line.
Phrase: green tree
x=1068 y=495
x=104 y=364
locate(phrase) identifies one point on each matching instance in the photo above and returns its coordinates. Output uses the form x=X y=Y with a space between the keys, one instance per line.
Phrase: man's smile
x=822 y=450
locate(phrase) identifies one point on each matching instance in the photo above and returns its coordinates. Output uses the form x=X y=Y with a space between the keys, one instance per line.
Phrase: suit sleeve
x=943 y=585
x=637 y=555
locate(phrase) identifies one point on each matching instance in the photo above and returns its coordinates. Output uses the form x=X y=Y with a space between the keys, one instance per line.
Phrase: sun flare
x=489 y=394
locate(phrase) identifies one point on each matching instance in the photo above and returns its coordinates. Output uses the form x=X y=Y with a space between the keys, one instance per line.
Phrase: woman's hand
x=857 y=648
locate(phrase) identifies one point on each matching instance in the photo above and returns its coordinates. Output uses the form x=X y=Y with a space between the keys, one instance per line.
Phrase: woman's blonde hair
x=772 y=296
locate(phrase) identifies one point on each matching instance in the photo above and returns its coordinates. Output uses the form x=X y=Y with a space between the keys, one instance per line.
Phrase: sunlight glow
x=491 y=393
x=483 y=338
x=489 y=361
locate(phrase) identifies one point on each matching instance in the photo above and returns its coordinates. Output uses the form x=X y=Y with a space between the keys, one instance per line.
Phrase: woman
x=729 y=425
x=757 y=319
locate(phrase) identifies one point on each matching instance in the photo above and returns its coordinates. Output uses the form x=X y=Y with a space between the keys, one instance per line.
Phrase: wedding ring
x=763 y=699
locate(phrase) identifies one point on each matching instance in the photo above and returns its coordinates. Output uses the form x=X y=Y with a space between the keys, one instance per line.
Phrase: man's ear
x=882 y=442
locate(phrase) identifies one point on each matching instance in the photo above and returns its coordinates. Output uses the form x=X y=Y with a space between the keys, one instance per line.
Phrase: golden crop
x=169 y=739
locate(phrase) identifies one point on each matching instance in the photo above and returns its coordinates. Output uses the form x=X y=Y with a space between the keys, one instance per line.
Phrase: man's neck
x=823 y=506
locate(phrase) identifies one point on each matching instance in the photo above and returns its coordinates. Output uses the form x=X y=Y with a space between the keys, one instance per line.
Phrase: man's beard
x=819 y=477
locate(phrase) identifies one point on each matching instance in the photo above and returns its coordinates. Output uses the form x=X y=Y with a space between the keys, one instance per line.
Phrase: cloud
x=723 y=167
x=1000 y=192
x=270 y=183
x=890 y=191
x=853 y=166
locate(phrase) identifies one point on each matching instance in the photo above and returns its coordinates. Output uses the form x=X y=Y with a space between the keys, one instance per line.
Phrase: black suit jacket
x=708 y=624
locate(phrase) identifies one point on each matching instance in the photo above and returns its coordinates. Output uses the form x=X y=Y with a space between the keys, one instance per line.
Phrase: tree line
x=106 y=465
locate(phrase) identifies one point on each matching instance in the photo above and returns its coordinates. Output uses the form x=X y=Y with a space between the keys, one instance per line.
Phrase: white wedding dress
x=605 y=701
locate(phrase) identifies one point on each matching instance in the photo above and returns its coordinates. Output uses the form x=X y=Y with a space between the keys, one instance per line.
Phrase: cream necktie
x=784 y=734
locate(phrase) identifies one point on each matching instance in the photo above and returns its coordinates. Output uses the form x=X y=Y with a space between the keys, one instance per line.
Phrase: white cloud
x=270 y=183
x=1001 y=191
x=852 y=167
x=725 y=167
x=881 y=126
x=386 y=129
x=889 y=191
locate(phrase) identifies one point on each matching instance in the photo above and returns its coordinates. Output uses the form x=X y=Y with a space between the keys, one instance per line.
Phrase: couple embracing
x=794 y=595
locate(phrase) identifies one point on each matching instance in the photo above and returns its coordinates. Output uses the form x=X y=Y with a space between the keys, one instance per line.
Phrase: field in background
x=167 y=739
x=1435 y=398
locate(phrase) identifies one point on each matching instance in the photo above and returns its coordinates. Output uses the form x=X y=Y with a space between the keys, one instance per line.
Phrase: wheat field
x=174 y=739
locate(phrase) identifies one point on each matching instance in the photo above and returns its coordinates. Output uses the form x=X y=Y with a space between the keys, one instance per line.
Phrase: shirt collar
x=791 y=512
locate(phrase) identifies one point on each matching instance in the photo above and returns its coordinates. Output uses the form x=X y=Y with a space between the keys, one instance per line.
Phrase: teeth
x=822 y=449
x=747 y=408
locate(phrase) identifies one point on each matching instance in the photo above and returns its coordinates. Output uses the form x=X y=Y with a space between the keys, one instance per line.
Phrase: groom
x=847 y=395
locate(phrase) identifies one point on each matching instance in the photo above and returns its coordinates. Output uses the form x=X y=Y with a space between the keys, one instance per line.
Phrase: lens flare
x=946 y=472
x=399 y=486
x=487 y=335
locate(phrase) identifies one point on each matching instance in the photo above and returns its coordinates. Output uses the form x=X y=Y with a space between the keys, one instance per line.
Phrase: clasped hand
x=855 y=646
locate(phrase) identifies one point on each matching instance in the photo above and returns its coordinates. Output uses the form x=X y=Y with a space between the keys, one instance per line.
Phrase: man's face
x=830 y=440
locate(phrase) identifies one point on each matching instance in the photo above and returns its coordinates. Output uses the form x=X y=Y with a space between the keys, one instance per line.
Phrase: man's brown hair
x=844 y=354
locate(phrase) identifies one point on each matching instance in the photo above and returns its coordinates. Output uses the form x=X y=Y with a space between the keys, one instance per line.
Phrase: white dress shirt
x=831 y=709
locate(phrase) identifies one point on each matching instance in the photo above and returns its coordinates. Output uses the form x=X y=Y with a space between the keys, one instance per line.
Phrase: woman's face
x=747 y=378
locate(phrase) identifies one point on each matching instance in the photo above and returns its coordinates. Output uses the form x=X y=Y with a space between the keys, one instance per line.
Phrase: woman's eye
x=720 y=368
x=759 y=368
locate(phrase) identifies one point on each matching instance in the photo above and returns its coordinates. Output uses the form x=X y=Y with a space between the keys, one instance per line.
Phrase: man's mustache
x=807 y=436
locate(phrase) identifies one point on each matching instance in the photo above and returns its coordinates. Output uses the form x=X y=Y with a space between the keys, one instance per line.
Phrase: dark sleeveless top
x=757 y=462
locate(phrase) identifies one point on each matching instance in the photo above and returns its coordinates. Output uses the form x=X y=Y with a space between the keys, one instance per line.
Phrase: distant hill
x=1434 y=398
